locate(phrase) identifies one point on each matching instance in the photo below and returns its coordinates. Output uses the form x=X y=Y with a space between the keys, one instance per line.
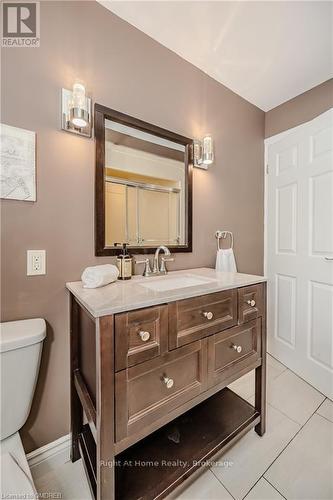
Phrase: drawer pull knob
x=168 y=382
x=237 y=348
x=144 y=336
x=251 y=303
x=208 y=315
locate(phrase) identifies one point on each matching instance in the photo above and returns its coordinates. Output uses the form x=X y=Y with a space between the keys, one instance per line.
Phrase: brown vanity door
x=147 y=392
x=194 y=319
x=250 y=303
x=140 y=335
x=232 y=351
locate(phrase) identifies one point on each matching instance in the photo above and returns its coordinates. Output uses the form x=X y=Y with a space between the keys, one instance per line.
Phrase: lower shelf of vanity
x=159 y=463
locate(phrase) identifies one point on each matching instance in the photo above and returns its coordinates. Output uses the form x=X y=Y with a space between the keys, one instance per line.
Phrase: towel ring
x=224 y=234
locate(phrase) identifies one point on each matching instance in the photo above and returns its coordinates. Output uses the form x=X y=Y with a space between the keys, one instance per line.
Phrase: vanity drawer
x=140 y=335
x=233 y=350
x=193 y=319
x=147 y=392
x=250 y=303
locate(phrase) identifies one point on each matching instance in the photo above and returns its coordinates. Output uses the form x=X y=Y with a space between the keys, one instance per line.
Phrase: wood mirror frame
x=101 y=114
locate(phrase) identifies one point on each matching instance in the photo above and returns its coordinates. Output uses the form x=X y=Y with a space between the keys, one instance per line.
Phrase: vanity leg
x=76 y=408
x=260 y=399
x=260 y=377
x=105 y=408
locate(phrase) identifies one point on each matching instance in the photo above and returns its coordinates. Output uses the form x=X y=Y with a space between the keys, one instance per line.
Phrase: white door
x=299 y=250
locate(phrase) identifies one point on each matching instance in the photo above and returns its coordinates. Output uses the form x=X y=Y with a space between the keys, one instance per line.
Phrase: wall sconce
x=76 y=111
x=203 y=152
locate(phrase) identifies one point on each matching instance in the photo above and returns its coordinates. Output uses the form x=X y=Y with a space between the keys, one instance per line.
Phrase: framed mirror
x=143 y=185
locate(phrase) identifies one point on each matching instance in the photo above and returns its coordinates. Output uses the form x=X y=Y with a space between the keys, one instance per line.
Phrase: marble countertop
x=128 y=295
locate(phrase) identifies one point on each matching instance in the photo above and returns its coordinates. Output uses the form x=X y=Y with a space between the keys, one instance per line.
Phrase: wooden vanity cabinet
x=152 y=382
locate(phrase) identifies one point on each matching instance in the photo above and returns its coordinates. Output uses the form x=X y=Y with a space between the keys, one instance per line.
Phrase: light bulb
x=79 y=122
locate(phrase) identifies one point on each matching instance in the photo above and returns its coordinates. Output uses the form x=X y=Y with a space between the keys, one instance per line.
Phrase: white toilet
x=20 y=353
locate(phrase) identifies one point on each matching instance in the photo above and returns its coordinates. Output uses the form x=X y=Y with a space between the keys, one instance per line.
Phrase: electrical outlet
x=36 y=262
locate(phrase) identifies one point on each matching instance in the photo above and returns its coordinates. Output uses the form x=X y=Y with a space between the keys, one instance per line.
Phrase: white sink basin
x=165 y=283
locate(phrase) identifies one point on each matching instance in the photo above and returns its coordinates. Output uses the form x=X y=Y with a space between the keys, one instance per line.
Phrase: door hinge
x=267 y=168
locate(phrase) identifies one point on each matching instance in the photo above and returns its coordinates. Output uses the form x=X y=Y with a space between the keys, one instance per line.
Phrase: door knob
x=251 y=303
x=144 y=336
x=328 y=258
x=168 y=381
x=208 y=314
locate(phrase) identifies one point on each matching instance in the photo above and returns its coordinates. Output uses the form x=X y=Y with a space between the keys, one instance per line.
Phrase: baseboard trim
x=46 y=458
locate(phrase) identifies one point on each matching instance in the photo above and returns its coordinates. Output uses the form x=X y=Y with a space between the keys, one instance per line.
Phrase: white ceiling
x=266 y=51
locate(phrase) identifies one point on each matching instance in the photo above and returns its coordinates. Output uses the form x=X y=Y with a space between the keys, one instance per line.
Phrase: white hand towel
x=225 y=260
x=96 y=276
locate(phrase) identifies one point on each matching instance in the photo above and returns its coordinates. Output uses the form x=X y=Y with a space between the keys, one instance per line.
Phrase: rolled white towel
x=96 y=276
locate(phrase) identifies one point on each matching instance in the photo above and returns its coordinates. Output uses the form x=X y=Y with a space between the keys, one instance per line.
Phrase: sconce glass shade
x=78 y=113
x=203 y=152
x=197 y=152
x=79 y=95
x=207 y=150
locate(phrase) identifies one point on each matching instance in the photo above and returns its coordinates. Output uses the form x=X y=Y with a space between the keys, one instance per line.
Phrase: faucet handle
x=147 y=269
x=163 y=261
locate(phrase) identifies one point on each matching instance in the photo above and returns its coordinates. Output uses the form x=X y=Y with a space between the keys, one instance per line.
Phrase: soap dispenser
x=124 y=263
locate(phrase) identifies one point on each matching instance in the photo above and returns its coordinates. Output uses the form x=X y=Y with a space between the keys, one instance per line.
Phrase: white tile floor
x=293 y=460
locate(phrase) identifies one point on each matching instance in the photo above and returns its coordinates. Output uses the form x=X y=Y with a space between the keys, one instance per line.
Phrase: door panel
x=321 y=324
x=286 y=159
x=321 y=140
x=300 y=249
x=321 y=203
x=285 y=306
x=286 y=219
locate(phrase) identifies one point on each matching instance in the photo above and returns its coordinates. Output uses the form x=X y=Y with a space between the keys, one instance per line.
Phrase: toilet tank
x=20 y=352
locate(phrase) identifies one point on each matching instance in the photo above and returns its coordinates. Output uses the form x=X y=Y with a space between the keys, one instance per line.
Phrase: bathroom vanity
x=151 y=359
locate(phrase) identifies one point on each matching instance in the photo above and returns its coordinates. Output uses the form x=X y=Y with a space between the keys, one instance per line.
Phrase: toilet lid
x=22 y=333
x=14 y=481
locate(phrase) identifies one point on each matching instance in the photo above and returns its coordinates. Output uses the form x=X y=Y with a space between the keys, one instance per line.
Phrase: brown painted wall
x=299 y=110
x=126 y=70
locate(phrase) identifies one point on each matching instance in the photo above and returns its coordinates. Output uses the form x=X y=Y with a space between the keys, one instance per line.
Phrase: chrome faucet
x=157 y=269
x=147 y=269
